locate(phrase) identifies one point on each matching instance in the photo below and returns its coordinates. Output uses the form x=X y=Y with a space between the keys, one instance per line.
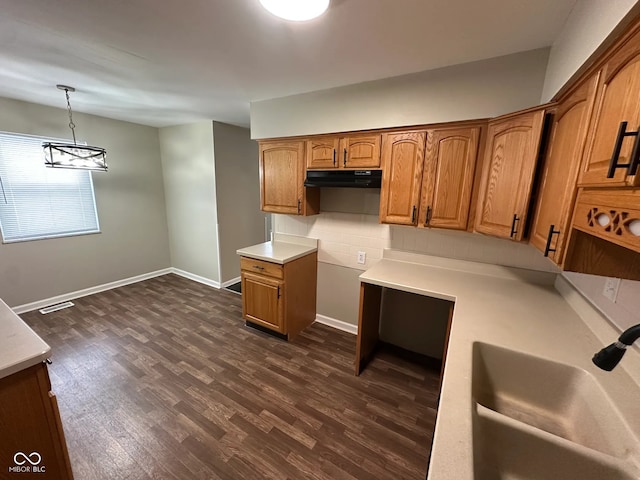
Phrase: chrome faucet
x=610 y=356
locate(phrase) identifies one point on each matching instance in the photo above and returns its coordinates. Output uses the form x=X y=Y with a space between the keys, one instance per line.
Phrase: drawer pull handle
x=334 y=157
x=345 y=157
x=258 y=267
x=634 y=159
x=552 y=232
x=413 y=215
x=516 y=219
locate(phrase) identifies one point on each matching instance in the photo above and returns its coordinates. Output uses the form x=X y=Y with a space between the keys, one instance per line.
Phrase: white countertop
x=513 y=308
x=282 y=249
x=20 y=347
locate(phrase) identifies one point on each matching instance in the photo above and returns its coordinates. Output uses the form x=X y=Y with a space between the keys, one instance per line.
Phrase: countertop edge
x=25 y=363
x=277 y=251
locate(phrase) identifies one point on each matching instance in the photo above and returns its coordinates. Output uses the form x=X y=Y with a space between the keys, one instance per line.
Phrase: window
x=38 y=202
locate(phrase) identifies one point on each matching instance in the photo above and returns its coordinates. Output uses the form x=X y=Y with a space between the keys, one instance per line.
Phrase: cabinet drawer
x=261 y=267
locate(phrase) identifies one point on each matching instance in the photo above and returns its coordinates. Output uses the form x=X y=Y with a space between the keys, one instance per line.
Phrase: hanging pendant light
x=296 y=10
x=72 y=155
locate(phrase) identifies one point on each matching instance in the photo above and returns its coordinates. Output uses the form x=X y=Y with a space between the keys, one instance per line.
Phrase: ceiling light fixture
x=296 y=10
x=72 y=155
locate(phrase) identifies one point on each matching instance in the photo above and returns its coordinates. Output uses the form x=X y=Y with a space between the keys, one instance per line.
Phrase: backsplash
x=624 y=312
x=342 y=235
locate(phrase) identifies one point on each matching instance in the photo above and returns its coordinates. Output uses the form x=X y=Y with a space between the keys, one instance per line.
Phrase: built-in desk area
x=395 y=275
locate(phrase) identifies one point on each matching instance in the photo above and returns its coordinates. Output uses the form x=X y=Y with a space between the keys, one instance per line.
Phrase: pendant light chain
x=72 y=125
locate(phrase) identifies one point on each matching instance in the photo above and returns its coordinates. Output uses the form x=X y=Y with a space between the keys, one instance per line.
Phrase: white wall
x=342 y=235
x=590 y=22
x=473 y=90
x=624 y=312
x=240 y=221
x=190 y=192
x=130 y=204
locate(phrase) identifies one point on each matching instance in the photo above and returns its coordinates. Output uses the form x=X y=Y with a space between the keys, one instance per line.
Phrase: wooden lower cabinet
x=263 y=300
x=32 y=443
x=281 y=298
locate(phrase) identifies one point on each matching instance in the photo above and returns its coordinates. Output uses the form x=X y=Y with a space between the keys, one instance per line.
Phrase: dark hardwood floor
x=162 y=380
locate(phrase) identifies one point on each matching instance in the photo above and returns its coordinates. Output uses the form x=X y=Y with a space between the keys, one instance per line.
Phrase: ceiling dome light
x=296 y=10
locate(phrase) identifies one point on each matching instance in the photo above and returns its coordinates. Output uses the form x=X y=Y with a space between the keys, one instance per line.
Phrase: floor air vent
x=55 y=308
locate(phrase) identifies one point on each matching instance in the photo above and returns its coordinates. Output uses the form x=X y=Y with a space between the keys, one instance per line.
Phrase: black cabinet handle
x=552 y=232
x=516 y=219
x=334 y=157
x=427 y=219
x=632 y=166
x=299 y=205
x=278 y=291
x=413 y=215
x=345 y=157
x=635 y=155
x=258 y=267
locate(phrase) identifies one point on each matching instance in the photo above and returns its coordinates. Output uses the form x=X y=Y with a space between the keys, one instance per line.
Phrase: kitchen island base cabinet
x=280 y=297
x=31 y=436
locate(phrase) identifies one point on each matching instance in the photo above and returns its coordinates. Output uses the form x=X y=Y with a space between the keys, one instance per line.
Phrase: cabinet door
x=402 y=162
x=30 y=422
x=447 y=182
x=561 y=167
x=322 y=152
x=507 y=177
x=619 y=91
x=361 y=151
x=282 y=177
x=262 y=301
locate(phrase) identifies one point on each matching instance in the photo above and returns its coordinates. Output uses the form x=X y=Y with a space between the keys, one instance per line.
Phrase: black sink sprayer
x=610 y=356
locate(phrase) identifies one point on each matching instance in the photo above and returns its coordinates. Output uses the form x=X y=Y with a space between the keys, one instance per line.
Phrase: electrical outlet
x=362 y=258
x=611 y=286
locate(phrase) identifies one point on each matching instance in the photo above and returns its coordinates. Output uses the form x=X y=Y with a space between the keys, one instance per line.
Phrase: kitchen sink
x=503 y=449
x=561 y=400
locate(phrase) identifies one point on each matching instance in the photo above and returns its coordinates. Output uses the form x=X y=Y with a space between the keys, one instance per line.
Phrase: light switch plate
x=362 y=258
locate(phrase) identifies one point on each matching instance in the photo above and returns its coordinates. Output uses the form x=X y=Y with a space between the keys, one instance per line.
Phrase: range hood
x=344 y=178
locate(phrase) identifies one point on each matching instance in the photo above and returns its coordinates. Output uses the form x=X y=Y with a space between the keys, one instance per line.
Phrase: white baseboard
x=196 y=278
x=230 y=282
x=338 y=324
x=28 y=307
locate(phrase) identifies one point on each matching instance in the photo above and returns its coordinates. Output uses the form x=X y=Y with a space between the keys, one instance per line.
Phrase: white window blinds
x=38 y=202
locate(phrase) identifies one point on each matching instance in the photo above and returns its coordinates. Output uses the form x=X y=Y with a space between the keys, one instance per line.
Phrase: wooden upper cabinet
x=360 y=151
x=402 y=162
x=282 y=178
x=349 y=152
x=618 y=95
x=561 y=167
x=510 y=159
x=322 y=152
x=447 y=181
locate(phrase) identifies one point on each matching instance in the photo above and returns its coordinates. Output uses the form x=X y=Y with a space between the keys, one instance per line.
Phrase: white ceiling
x=167 y=62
